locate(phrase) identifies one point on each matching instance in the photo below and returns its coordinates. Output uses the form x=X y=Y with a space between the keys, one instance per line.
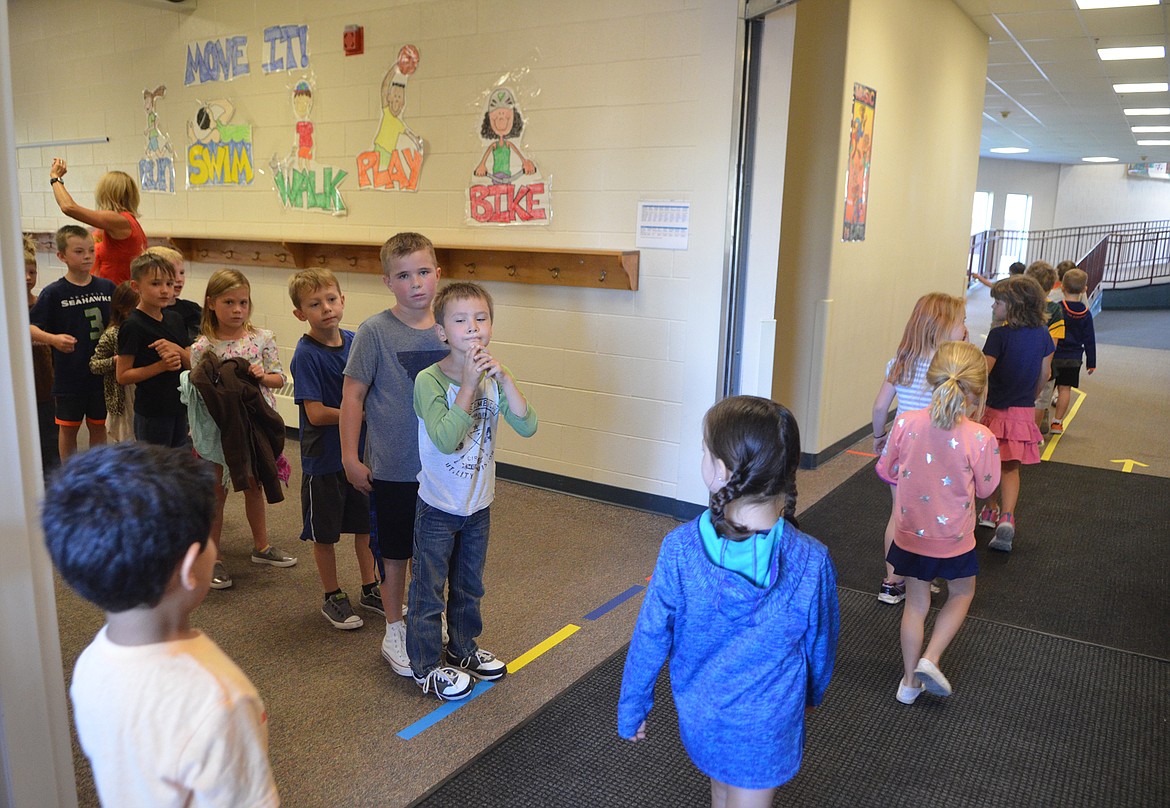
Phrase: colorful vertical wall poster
x=296 y=175
x=156 y=169
x=219 y=152
x=506 y=187
x=395 y=162
x=221 y=59
x=286 y=48
x=857 y=172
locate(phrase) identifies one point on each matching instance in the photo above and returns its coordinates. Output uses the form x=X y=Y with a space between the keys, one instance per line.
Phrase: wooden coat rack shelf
x=600 y=269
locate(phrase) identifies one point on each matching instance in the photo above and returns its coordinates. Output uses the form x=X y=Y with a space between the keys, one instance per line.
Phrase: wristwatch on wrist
x=53 y=180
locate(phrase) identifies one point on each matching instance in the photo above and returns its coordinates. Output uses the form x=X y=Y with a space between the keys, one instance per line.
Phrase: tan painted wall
x=842 y=306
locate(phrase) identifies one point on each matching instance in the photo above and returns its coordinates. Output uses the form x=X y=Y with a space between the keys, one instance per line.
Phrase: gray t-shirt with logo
x=386 y=355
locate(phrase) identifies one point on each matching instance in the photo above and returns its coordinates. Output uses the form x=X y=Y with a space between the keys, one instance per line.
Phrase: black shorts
x=1068 y=376
x=331 y=506
x=392 y=519
x=72 y=410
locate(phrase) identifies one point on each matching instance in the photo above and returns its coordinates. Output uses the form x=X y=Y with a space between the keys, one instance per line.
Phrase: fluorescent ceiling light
x=1087 y=5
x=1154 y=142
x=1008 y=150
x=1147 y=129
x=1148 y=87
x=1144 y=52
x=1098 y=159
x=1148 y=111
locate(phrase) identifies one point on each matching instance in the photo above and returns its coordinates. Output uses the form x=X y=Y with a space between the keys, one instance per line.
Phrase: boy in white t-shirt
x=459 y=402
x=164 y=716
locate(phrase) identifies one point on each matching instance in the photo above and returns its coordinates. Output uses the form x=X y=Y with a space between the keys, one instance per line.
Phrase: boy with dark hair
x=459 y=401
x=70 y=315
x=330 y=505
x=42 y=371
x=153 y=348
x=164 y=716
x=1079 y=340
x=388 y=351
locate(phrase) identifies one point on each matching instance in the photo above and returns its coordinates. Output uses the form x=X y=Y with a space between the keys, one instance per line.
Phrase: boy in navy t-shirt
x=330 y=505
x=70 y=314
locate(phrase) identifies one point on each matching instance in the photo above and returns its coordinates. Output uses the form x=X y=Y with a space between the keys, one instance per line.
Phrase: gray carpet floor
x=1035 y=720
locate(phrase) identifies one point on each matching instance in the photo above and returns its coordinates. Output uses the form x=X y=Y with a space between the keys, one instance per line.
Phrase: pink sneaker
x=988 y=517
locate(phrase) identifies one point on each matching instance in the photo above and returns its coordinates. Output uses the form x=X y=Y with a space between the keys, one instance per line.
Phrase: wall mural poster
x=221 y=59
x=506 y=186
x=219 y=152
x=857 y=172
x=286 y=48
x=296 y=176
x=156 y=169
x=395 y=162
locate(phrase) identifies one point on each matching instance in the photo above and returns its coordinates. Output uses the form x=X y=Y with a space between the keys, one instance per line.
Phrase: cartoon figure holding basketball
x=501 y=124
x=397 y=156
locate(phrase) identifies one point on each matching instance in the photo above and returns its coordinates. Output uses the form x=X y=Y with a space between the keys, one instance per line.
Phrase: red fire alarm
x=353 y=40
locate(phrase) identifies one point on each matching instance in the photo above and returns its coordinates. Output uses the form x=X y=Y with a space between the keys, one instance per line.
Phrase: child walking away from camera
x=939 y=461
x=745 y=607
x=228 y=333
x=119 y=398
x=1019 y=361
x=936 y=318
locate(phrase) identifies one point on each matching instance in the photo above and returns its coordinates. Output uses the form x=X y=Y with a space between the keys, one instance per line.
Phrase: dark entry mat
x=1091 y=558
x=1035 y=720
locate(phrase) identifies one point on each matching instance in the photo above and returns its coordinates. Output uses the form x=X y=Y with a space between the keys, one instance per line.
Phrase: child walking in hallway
x=1077 y=345
x=229 y=333
x=1019 y=361
x=745 y=607
x=936 y=318
x=939 y=461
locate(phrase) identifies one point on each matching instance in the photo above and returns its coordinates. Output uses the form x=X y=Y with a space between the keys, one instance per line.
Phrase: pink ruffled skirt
x=1016 y=431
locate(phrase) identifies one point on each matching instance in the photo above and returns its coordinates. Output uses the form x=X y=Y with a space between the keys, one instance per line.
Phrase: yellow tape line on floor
x=1053 y=440
x=536 y=650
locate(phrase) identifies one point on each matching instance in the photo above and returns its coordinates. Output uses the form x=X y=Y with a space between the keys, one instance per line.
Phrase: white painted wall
x=624 y=101
x=1105 y=194
x=1041 y=181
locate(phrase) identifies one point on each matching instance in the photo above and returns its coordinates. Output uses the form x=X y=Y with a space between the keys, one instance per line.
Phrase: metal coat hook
x=256 y=257
x=511 y=270
x=282 y=257
x=203 y=253
x=470 y=268
x=353 y=261
x=556 y=272
x=321 y=260
x=228 y=253
x=602 y=278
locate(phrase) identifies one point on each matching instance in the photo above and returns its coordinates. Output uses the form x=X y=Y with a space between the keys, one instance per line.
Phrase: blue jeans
x=449 y=550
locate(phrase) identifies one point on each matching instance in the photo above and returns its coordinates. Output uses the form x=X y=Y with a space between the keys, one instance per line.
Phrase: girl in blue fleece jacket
x=745 y=607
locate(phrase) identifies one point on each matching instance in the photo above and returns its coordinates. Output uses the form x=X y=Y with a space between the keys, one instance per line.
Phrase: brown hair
x=122 y=302
x=934 y=316
x=401 y=245
x=310 y=280
x=958 y=374
x=146 y=264
x=759 y=442
x=1044 y=274
x=1063 y=267
x=1075 y=281
x=1024 y=300
x=461 y=290
x=221 y=282
x=66 y=232
x=117 y=191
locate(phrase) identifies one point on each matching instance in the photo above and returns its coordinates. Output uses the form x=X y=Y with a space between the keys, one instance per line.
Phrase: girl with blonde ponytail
x=939 y=460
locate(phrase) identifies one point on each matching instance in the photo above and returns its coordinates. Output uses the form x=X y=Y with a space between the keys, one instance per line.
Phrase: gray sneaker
x=219 y=577
x=338 y=611
x=447 y=683
x=272 y=556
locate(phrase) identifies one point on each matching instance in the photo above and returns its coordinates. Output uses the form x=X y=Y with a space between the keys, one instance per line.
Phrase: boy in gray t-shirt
x=388 y=351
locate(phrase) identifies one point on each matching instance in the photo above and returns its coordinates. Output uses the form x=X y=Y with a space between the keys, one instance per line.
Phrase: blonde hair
x=220 y=283
x=1075 y=281
x=934 y=316
x=958 y=374
x=30 y=247
x=117 y=191
x=146 y=264
x=308 y=281
x=169 y=253
x=461 y=290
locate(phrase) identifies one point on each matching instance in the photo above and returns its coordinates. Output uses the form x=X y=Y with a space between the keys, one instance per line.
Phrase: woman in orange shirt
x=118 y=238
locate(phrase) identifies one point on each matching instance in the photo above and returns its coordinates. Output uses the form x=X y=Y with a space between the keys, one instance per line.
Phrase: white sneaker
x=394 y=648
x=907 y=695
x=446 y=683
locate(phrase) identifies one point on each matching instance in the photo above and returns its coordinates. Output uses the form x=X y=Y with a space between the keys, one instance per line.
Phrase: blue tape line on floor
x=613 y=604
x=437 y=715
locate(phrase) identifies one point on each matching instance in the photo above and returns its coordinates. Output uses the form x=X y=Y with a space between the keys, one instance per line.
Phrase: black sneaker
x=446 y=683
x=338 y=611
x=482 y=665
x=372 y=600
